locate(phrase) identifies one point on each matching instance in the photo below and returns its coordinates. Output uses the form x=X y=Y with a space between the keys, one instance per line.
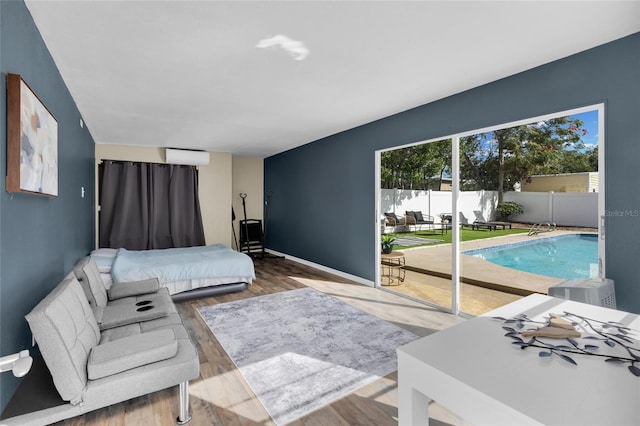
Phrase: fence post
x=395 y=199
x=551 y=206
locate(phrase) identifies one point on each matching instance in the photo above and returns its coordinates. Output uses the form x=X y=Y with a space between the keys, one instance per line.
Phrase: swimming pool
x=564 y=256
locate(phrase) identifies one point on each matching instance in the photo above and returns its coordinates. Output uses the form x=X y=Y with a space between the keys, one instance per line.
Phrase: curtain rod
x=141 y=162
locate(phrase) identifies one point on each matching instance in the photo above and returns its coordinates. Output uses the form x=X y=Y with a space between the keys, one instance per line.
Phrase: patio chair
x=417 y=220
x=481 y=220
x=394 y=221
x=475 y=225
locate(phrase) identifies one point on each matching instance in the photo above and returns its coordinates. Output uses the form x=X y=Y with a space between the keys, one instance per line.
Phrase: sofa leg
x=185 y=415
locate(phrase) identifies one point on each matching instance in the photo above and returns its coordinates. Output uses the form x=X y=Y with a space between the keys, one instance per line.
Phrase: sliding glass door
x=415 y=205
x=457 y=199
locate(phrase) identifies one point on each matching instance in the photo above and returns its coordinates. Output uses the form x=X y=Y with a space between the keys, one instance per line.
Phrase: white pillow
x=111 y=252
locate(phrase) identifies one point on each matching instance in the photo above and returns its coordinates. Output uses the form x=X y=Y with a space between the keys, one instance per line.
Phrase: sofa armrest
x=133 y=288
x=111 y=316
x=130 y=352
x=428 y=219
x=410 y=220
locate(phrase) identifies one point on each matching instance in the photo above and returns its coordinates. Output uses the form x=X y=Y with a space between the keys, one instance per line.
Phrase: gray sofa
x=96 y=365
x=123 y=303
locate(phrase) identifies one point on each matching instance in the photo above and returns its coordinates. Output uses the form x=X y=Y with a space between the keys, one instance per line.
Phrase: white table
x=476 y=372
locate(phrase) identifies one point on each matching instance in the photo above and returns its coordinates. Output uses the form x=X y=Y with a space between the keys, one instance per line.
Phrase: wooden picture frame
x=32 y=142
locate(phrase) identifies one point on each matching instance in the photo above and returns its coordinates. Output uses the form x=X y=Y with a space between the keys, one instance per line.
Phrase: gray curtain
x=149 y=206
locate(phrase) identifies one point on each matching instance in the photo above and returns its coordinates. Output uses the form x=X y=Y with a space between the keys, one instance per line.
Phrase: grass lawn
x=466 y=234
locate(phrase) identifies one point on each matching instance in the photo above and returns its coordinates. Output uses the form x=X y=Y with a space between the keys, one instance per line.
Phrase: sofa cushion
x=130 y=352
x=395 y=219
x=418 y=216
x=172 y=321
x=65 y=329
x=133 y=288
x=143 y=380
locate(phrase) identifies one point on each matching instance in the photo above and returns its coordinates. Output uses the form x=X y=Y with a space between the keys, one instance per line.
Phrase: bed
x=186 y=272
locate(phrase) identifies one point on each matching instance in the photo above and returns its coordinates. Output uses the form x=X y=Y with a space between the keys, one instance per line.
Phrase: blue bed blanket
x=179 y=264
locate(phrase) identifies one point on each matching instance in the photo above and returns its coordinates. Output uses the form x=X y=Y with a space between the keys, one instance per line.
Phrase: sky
x=590 y=123
x=590 y=120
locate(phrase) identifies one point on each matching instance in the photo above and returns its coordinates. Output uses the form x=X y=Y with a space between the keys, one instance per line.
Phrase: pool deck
x=436 y=260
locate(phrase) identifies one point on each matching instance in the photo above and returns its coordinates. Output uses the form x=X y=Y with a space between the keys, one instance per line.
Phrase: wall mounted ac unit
x=187 y=157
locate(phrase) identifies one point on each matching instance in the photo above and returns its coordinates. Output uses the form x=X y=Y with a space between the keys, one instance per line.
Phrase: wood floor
x=221 y=396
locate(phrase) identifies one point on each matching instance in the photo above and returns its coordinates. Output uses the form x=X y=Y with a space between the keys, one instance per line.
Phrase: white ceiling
x=188 y=73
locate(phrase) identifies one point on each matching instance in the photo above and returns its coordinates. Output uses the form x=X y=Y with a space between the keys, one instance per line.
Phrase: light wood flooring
x=221 y=396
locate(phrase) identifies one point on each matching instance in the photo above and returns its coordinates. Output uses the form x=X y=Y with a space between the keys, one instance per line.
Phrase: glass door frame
x=455 y=189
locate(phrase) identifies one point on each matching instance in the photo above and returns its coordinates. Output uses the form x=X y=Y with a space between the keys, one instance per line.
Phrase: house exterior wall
x=564 y=182
x=594 y=183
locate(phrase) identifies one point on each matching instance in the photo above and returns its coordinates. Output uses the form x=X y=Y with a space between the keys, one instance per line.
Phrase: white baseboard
x=341 y=274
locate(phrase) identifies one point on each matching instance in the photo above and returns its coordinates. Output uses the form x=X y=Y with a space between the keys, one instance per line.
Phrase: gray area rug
x=302 y=349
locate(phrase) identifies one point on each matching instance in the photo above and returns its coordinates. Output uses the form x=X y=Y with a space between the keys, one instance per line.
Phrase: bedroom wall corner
x=215 y=198
x=248 y=178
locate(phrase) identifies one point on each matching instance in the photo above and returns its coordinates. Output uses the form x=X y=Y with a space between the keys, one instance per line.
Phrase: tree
x=478 y=165
x=495 y=160
x=416 y=167
x=506 y=156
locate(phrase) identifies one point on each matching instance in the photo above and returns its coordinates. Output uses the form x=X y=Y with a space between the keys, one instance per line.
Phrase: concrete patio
x=485 y=285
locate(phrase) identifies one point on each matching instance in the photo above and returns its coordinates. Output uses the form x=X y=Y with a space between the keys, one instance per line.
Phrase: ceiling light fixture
x=296 y=49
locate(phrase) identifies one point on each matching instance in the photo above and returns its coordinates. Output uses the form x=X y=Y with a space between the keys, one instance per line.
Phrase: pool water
x=565 y=256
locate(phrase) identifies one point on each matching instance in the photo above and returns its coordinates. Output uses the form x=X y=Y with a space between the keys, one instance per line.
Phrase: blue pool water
x=564 y=256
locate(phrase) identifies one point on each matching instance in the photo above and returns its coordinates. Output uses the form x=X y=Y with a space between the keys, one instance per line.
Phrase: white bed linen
x=173 y=286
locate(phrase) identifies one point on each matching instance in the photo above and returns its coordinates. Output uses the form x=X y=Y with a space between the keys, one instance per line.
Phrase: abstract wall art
x=32 y=141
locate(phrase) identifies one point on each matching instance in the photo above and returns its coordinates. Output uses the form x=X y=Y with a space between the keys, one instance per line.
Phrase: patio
x=484 y=285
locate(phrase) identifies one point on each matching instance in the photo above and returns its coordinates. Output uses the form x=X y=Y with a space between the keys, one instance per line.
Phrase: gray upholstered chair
x=92 y=369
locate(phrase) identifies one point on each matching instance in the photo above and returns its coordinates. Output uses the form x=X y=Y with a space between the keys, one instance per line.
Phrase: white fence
x=563 y=208
x=435 y=203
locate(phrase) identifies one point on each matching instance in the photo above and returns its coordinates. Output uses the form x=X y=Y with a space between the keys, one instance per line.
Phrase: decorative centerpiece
x=387 y=243
x=559 y=335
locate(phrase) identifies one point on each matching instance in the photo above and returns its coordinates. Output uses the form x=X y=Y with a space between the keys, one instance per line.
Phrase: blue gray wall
x=323 y=193
x=41 y=238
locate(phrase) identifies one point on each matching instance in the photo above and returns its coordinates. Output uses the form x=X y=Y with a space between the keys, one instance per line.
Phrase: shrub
x=507 y=208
